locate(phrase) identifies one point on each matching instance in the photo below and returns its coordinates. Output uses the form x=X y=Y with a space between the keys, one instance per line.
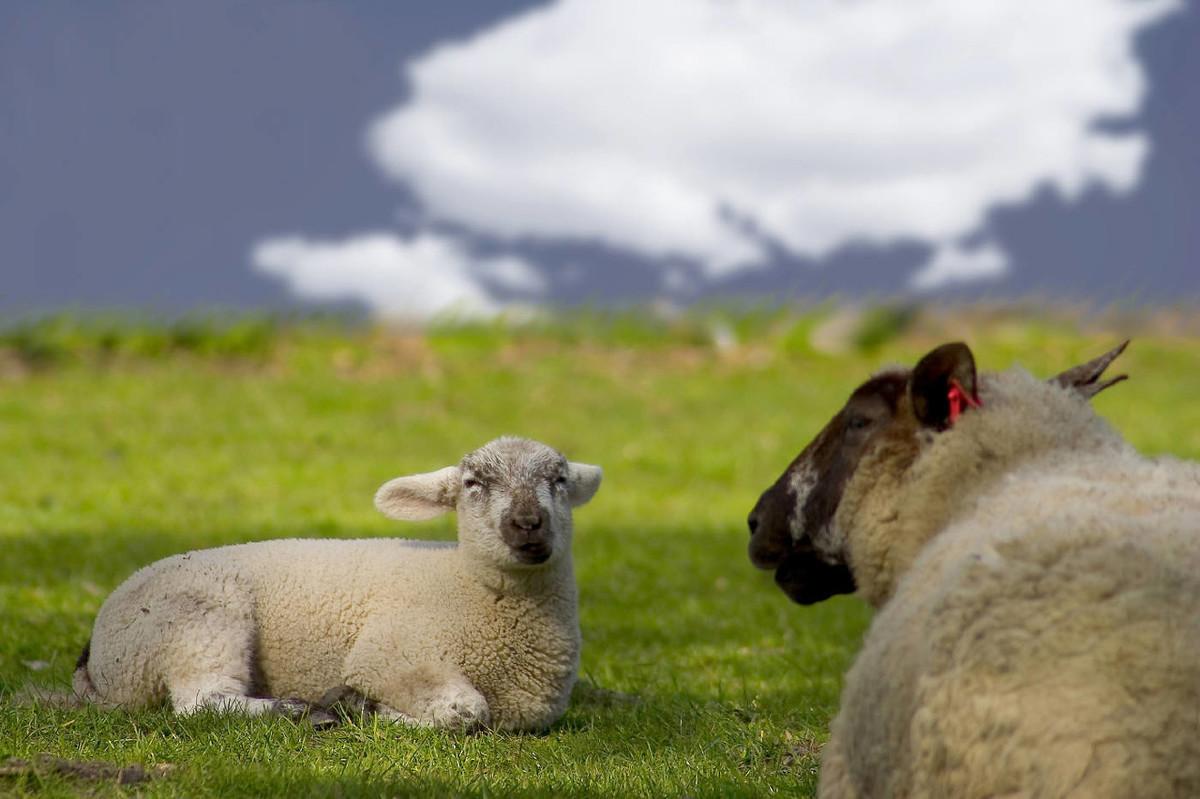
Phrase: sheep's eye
x=471 y=482
x=858 y=422
x=561 y=480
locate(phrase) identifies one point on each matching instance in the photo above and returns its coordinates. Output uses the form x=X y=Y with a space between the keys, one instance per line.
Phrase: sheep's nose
x=528 y=522
x=752 y=521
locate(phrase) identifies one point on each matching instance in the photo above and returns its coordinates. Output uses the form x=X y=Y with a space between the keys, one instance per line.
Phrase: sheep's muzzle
x=807 y=579
x=526 y=534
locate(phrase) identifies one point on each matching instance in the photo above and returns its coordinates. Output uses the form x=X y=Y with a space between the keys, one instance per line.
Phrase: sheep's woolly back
x=917 y=481
x=1058 y=665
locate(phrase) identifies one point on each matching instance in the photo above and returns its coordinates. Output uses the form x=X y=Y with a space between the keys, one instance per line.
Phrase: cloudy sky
x=412 y=159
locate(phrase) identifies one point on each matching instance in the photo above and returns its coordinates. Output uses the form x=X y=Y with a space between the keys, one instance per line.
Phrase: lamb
x=1037 y=580
x=482 y=633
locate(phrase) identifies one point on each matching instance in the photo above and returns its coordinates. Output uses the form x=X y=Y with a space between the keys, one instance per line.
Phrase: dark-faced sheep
x=1037 y=580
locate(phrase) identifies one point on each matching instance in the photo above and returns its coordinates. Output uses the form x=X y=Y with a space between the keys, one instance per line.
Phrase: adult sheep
x=484 y=632
x=1037 y=580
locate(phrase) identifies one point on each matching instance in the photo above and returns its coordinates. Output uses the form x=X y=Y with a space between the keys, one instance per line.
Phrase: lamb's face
x=514 y=502
x=792 y=528
x=513 y=496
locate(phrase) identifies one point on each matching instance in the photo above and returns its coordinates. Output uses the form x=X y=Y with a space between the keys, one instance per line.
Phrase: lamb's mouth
x=807 y=579
x=532 y=553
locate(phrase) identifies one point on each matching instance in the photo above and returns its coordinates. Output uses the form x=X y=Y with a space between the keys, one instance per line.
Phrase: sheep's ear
x=943 y=384
x=583 y=481
x=420 y=496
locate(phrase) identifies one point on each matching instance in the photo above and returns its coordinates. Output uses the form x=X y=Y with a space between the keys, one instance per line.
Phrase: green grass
x=125 y=442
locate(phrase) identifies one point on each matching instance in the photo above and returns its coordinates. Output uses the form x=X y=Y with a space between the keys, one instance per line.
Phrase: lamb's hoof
x=347 y=703
x=322 y=720
x=294 y=709
x=463 y=711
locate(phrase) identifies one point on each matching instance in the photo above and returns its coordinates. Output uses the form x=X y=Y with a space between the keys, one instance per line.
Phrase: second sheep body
x=1038 y=586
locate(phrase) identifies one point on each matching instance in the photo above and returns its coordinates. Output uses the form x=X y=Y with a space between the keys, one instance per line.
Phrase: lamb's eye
x=858 y=422
x=471 y=482
x=561 y=480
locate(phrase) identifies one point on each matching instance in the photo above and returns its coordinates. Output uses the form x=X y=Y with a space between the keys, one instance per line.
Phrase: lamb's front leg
x=427 y=695
x=407 y=677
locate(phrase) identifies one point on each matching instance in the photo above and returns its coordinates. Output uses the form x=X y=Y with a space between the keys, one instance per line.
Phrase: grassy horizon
x=126 y=441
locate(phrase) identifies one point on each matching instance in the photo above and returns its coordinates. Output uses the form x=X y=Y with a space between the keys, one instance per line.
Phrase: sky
x=414 y=159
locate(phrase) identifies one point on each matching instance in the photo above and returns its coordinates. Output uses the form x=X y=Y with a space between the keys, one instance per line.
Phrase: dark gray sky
x=145 y=145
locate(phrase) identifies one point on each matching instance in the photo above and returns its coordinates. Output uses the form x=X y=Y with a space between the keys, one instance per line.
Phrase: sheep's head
x=793 y=527
x=513 y=496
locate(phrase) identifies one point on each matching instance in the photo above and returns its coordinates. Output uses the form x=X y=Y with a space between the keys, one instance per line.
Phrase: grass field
x=123 y=443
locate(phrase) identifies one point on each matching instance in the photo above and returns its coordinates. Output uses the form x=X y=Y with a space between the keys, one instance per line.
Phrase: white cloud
x=410 y=279
x=653 y=125
x=512 y=273
x=951 y=264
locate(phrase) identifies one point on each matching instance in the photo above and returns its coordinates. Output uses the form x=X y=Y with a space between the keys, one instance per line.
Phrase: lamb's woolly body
x=484 y=631
x=324 y=613
x=1040 y=584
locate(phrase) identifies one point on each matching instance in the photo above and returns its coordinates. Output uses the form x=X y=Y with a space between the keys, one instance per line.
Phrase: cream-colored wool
x=1039 y=585
x=442 y=634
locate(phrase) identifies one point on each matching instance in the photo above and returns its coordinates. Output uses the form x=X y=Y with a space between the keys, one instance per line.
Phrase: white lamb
x=484 y=632
x=1039 y=586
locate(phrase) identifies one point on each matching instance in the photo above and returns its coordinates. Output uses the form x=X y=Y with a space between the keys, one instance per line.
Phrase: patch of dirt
x=86 y=770
x=12 y=366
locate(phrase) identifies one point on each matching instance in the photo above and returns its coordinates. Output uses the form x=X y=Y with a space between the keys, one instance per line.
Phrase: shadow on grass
x=649 y=753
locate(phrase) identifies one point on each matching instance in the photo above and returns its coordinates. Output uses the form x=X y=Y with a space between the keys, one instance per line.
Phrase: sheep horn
x=1085 y=378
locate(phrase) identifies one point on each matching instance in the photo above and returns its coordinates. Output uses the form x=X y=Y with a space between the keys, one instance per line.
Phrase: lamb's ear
x=583 y=481
x=1085 y=378
x=943 y=384
x=420 y=496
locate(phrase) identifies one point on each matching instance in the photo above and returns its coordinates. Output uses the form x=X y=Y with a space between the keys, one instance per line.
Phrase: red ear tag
x=958 y=400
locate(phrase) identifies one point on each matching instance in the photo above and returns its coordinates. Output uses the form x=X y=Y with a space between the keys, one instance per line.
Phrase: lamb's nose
x=527 y=521
x=752 y=522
